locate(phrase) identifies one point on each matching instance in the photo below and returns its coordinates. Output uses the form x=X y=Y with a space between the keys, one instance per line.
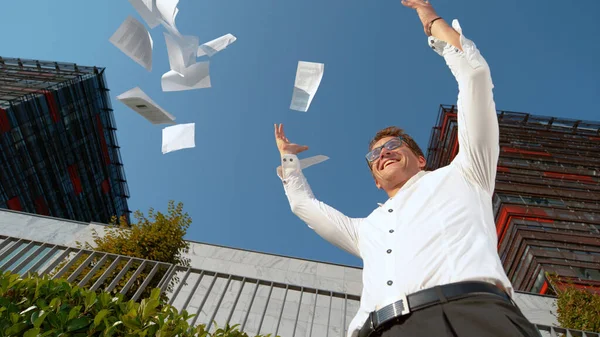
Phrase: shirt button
x=389 y=283
x=389 y=251
x=390 y=210
x=391 y=230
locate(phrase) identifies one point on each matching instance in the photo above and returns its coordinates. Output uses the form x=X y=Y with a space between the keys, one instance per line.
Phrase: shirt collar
x=409 y=183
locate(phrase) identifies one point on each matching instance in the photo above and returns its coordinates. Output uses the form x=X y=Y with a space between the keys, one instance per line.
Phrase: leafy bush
x=157 y=237
x=576 y=308
x=34 y=306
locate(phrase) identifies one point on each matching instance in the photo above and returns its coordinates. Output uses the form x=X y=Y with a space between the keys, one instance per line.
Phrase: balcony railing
x=258 y=305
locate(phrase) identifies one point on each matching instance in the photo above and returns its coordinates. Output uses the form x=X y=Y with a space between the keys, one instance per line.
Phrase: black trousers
x=478 y=316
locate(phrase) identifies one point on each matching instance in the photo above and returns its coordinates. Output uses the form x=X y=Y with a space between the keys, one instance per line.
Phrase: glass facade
x=547 y=196
x=59 y=154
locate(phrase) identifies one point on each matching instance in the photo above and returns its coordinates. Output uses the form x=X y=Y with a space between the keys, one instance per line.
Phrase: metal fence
x=257 y=305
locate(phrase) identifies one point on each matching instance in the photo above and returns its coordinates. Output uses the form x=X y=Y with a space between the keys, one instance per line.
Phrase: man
x=431 y=267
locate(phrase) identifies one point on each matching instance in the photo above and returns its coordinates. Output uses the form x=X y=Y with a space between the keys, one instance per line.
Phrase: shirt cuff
x=469 y=50
x=289 y=164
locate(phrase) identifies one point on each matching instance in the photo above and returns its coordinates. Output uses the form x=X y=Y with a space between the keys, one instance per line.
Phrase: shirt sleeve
x=478 y=133
x=329 y=223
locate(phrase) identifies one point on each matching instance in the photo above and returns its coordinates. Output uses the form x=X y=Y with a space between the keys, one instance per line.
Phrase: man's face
x=394 y=165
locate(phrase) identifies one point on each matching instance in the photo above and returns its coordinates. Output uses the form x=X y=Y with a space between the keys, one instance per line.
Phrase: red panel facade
x=54 y=114
x=14 y=204
x=547 y=196
x=4 y=122
x=102 y=140
x=75 y=180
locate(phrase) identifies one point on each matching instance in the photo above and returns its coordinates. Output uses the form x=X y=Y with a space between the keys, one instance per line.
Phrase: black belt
x=426 y=298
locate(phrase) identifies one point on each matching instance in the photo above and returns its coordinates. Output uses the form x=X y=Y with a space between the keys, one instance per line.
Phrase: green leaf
x=78 y=323
x=48 y=333
x=16 y=329
x=150 y=308
x=14 y=317
x=55 y=303
x=100 y=316
x=39 y=319
x=75 y=311
x=54 y=320
x=155 y=294
x=90 y=300
x=42 y=304
x=104 y=299
x=32 y=332
x=131 y=322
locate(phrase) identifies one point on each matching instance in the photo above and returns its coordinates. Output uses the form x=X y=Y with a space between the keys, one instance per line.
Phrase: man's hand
x=424 y=10
x=284 y=145
x=440 y=28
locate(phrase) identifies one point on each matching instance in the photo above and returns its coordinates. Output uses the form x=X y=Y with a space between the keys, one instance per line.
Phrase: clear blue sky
x=379 y=71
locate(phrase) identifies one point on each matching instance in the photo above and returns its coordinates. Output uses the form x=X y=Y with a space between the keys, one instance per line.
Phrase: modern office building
x=547 y=197
x=59 y=154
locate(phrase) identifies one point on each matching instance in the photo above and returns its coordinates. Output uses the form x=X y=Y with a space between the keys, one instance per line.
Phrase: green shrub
x=157 y=237
x=39 y=306
x=577 y=309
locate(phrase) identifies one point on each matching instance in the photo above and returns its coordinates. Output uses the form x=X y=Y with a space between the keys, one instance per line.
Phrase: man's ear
x=422 y=162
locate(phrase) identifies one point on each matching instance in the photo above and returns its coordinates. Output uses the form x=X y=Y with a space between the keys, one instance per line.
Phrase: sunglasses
x=391 y=144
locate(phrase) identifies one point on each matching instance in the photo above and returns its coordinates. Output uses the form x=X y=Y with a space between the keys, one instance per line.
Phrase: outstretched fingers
x=414 y=4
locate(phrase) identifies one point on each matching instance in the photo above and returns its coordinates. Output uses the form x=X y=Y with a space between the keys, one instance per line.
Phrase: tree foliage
x=577 y=309
x=156 y=236
x=39 y=306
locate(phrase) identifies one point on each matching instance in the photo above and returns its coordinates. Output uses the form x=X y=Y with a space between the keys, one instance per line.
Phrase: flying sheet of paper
x=147 y=11
x=306 y=162
x=308 y=78
x=212 y=47
x=178 y=137
x=181 y=51
x=139 y=102
x=133 y=39
x=194 y=77
x=167 y=9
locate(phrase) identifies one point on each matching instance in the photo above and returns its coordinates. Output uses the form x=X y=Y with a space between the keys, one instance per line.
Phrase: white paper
x=194 y=77
x=306 y=162
x=178 y=137
x=133 y=39
x=139 y=102
x=167 y=10
x=308 y=78
x=212 y=47
x=147 y=10
x=181 y=51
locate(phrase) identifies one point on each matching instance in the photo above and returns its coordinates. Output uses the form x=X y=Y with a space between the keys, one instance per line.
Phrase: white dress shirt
x=439 y=228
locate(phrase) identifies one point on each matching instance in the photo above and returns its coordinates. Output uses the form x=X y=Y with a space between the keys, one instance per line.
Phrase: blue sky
x=379 y=71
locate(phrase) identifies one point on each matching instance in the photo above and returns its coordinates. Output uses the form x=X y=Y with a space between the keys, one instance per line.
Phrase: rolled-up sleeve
x=329 y=223
x=478 y=133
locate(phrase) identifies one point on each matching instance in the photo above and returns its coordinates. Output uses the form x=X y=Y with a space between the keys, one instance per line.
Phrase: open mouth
x=388 y=163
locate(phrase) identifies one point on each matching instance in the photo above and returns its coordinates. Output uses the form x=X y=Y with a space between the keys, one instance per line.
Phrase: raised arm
x=326 y=221
x=478 y=134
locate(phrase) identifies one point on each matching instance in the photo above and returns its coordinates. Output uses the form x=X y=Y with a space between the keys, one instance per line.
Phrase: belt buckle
x=402 y=306
x=394 y=310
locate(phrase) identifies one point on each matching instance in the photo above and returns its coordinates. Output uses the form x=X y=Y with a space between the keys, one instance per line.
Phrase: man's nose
x=384 y=153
